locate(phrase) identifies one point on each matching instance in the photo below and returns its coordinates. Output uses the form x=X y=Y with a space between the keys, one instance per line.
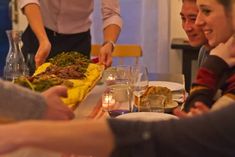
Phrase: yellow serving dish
x=80 y=88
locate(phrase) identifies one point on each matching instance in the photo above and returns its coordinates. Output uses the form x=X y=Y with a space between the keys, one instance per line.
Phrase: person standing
x=59 y=25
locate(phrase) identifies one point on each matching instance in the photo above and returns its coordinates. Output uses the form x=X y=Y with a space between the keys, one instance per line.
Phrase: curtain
x=5 y=24
x=145 y=22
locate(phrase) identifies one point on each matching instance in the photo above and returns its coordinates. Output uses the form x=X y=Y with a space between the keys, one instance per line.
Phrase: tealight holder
x=108 y=100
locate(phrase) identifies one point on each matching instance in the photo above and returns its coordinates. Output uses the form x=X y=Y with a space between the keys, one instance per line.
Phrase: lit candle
x=107 y=101
x=111 y=77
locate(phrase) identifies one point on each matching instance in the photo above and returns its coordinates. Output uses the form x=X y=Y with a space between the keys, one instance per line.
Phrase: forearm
x=76 y=137
x=111 y=32
x=19 y=103
x=33 y=14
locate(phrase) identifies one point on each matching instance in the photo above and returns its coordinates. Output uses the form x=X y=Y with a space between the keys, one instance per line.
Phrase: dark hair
x=226 y=4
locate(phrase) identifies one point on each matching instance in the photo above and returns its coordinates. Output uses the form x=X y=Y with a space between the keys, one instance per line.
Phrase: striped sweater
x=214 y=74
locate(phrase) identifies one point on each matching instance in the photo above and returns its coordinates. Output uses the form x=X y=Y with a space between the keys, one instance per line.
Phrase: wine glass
x=123 y=74
x=140 y=83
x=119 y=74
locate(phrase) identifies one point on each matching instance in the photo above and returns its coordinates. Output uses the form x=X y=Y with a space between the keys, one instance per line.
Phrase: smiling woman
x=215 y=19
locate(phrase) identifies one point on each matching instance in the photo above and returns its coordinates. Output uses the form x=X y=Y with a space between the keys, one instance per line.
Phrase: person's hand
x=42 y=53
x=56 y=109
x=179 y=113
x=199 y=109
x=226 y=51
x=105 y=56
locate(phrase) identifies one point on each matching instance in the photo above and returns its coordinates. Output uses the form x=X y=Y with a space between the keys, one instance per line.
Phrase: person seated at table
x=210 y=134
x=195 y=34
x=18 y=103
x=215 y=18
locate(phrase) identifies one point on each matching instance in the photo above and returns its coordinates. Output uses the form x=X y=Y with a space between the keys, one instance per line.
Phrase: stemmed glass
x=140 y=83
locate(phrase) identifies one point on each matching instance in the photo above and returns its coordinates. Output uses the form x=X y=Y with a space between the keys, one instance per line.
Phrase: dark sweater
x=212 y=134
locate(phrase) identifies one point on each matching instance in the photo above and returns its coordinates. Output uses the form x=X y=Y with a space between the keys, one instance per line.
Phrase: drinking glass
x=30 y=63
x=119 y=100
x=109 y=76
x=139 y=82
x=123 y=73
x=116 y=75
x=157 y=103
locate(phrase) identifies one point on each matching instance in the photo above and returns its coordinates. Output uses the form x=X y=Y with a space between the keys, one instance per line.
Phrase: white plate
x=171 y=106
x=173 y=86
x=147 y=116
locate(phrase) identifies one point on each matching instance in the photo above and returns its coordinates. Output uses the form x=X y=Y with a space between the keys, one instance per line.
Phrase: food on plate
x=70 y=58
x=42 y=83
x=70 y=65
x=159 y=90
x=68 y=72
x=71 y=69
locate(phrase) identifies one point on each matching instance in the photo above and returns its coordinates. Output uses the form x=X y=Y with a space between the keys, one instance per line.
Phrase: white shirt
x=73 y=16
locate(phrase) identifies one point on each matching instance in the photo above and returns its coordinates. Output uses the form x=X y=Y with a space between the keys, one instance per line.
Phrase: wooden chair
x=121 y=51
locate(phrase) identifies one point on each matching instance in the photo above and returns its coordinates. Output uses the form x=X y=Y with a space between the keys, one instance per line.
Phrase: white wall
x=176 y=31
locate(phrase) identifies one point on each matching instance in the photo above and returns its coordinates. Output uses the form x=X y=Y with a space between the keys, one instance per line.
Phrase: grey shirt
x=20 y=103
x=203 y=55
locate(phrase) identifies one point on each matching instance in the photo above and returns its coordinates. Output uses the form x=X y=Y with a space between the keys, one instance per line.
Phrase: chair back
x=121 y=51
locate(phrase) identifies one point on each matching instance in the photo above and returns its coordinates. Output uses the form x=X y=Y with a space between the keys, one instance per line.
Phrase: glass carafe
x=15 y=63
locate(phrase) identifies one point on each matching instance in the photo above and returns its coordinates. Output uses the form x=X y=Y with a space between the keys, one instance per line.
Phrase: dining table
x=91 y=108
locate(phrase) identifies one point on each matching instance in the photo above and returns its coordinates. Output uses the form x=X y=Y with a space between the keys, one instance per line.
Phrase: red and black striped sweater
x=214 y=74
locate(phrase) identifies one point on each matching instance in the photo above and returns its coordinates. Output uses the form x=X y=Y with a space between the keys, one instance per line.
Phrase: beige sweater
x=20 y=103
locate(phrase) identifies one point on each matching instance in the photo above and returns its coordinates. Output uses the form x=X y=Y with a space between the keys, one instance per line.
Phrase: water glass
x=139 y=83
x=117 y=75
x=144 y=105
x=121 y=100
x=157 y=103
x=123 y=73
x=30 y=63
